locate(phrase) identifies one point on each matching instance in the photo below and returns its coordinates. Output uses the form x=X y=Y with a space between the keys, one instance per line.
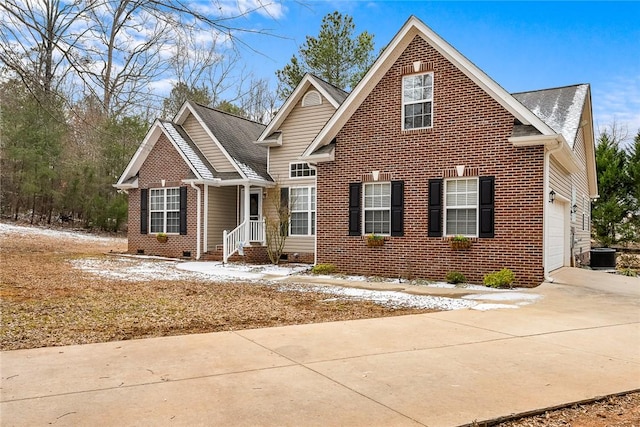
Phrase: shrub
x=499 y=279
x=323 y=269
x=455 y=277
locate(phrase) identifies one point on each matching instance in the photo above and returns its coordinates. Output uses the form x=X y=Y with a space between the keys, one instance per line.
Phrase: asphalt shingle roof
x=560 y=108
x=336 y=93
x=236 y=134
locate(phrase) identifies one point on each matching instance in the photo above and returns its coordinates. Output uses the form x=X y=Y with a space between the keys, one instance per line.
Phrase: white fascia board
x=183 y=113
x=528 y=141
x=126 y=186
x=590 y=147
x=236 y=182
x=395 y=48
x=324 y=93
x=319 y=158
x=142 y=152
x=277 y=142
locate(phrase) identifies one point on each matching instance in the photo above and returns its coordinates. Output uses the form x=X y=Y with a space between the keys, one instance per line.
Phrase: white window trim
x=312 y=191
x=365 y=209
x=164 y=210
x=418 y=102
x=312 y=173
x=476 y=206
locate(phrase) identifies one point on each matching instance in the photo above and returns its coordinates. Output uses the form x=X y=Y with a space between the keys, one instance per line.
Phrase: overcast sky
x=523 y=46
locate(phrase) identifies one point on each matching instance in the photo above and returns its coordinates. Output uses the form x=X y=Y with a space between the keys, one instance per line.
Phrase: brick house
x=426 y=147
x=196 y=178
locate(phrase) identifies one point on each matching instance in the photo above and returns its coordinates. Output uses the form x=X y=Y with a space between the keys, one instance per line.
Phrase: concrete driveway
x=438 y=369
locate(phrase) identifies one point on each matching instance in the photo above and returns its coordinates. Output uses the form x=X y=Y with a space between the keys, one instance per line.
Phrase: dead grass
x=614 y=411
x=46 y=302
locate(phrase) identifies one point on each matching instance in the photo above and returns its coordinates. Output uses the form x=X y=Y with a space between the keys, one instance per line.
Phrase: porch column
x=247 y=213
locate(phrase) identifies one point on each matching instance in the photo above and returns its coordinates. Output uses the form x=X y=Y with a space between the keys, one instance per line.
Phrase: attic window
x=311 y=98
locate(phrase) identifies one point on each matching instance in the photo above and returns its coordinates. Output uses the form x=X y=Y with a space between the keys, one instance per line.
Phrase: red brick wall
x=469 y=128
x=163 y=162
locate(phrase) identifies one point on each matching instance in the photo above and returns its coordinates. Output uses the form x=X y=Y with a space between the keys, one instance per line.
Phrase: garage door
x=555 y=235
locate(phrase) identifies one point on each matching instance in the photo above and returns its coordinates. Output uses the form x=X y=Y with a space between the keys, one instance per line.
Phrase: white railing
x=256 y=231
x=232 y=241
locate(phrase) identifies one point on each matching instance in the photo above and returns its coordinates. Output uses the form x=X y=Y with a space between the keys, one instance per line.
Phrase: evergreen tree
x=336 y=55
x=611 y=209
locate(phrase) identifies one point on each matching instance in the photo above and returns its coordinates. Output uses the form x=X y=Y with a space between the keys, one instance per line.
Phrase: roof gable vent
x=311 y=98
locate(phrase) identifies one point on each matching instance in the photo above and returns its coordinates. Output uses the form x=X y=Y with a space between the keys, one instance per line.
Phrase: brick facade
x=163 y=162
x=469 y=128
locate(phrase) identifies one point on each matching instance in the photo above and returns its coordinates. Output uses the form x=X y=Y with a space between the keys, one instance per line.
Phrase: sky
x=523 y=46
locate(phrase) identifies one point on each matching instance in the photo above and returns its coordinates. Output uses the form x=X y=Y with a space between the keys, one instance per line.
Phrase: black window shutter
x=486 y=206
x=284 y=209
x=354 y=208
x=435 y=208
x=183 y=210
x=144 y=211
x=397 y=208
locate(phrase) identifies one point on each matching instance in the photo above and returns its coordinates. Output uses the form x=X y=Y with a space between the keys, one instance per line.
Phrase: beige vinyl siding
x=581 y=225
x=221 y=214
x=208 y=147
x=559 y=179
x=298 y=130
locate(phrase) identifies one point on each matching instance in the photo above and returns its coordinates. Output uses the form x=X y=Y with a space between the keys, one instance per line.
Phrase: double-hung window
x=164 y=209
x=377 y=208
x=461 y=207
x=301 y=170
x=302 y=203
x=417 y=101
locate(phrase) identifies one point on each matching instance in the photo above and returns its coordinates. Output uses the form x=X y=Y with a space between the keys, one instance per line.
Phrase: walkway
x=438 y=369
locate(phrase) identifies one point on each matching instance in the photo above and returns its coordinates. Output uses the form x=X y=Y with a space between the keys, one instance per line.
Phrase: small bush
x=628 y=272
x=323 y=269
x=455 y=277
x=499 y=279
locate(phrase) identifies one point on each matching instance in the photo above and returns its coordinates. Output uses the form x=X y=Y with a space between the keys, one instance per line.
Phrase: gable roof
x=560 y=108
x=236 y=135
x=199 y=166
x=233 y=134
x=412 y=28
x=333 y=94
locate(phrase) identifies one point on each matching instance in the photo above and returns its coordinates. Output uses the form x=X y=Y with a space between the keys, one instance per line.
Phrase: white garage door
x=555 y=235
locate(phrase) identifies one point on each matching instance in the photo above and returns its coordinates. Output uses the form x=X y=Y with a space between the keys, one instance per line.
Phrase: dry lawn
x=44 y=301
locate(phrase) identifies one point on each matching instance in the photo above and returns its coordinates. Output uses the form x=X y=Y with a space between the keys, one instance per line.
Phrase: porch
x=234 y=221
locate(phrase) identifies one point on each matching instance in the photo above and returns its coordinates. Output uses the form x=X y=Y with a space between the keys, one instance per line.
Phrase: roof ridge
x=217 y=110
x=550 y=88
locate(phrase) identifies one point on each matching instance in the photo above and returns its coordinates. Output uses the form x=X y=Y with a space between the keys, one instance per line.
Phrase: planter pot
x=162 y=239
x=375 y=242
x=603 y=258
x=460 y=246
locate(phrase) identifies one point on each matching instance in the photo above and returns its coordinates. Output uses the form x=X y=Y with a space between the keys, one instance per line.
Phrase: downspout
x=198 y=214
x=547 y=174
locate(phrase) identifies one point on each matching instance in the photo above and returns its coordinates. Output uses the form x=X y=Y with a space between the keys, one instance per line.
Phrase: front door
x=254 y=206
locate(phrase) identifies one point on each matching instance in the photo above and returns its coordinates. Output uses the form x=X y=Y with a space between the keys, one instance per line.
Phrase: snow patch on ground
x=486 y=307
x=6 y=229
x=392 y=299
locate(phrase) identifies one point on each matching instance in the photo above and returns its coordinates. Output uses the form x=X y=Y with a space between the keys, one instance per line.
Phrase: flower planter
x=162 y=238
x=457 y=245
x=375 y=242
